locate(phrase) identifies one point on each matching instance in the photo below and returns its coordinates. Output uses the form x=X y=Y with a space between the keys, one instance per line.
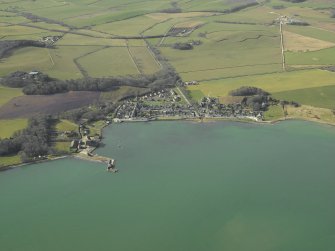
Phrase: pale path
x=132 y=58
x=282 y=44
x=186 y=99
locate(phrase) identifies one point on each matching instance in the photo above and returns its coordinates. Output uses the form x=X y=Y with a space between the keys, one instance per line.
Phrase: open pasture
x=274 y=112
x=144 y=60
x=66 y=125
x=63 y=65
x=228 y=72
x=16 y=32
x=134 y=26
x=273 y=83
x=9 y=127
x=239 y=48
x=6 y=94
x=228 y=54
x=317 y=96
x=81 y=40
x=10 y=160
x=295 y=42
x=199 y=5
x=313 y=4
x=312 y=32
x=255 y=15
x=114 y=61
x=122 y=92
x=311 y=113
x=26 y=59
x=321 y=57
x=81 y=14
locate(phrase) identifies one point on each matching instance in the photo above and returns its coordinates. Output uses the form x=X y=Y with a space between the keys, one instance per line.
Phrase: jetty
x=85 y=146
x=109 y=162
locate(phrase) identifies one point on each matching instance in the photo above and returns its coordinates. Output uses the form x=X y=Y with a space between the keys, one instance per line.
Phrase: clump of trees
x=182 y=46
x=278 y=7
x=21 y=79
x=30 y=142
x=254 y=97
x=174 y=8
x=100 y=111
x=257 y=102
x=7 y=46
x=299 y=22
x=241 y=7
x=332 y=13
x=294 y=1
x=42 y=84
x=248 y=91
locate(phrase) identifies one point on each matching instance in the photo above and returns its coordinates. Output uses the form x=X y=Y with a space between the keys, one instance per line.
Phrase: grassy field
x=27 y=59
x=273 y=83
x=295 y=42
x=58 y=62
x=196 y=95
x=321 y=57
x=318 y=96
x=66 y=125
x=134 y=26
x=9 y=127
x=122 y=92
x=81 y=40
x=313 y=32
x=10 y=160
x=62 y=147
x=144 y=60
x=16 y=32
x=114 y=61
x=244 y=53
x=311 y=113
x=274 y=113
x=235 y=49
x=6 y=94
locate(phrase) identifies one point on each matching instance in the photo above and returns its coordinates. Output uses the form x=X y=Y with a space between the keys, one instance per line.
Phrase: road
x=187 y=101
x=281 y=39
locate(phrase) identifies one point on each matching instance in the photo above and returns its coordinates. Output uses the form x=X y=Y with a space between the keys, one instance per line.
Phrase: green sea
x=182 y=186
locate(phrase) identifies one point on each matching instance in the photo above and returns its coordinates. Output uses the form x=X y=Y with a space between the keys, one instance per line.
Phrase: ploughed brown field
x=28 y=106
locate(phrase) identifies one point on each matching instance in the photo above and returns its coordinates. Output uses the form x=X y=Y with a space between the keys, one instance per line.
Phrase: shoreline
x=10 y=167
x=205 y=120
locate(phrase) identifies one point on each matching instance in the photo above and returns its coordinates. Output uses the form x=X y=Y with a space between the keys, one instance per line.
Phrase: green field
x=196 y=95
x=9 y=127
x=27 y=59
x=274 y=113
x=323 y=97
x=114 y=61
x=7 y=94
x=144 y=60
x=313 y=32
x=10 y=160
x=228 y=50
x=62 y=147
x=104 y=38
x=282 y=83
x=66 y=125
x=321 y=57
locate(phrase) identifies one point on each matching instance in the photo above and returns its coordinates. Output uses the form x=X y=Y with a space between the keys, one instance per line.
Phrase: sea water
x=181 y=186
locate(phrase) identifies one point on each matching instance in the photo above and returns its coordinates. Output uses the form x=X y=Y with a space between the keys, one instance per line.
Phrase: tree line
x=42 y=84
x=7 y=46
x=248 y=91
x=30 y=142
